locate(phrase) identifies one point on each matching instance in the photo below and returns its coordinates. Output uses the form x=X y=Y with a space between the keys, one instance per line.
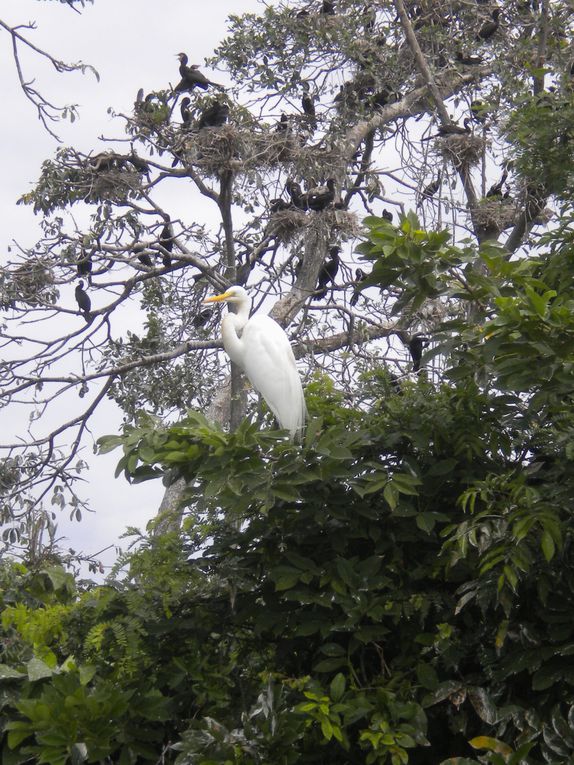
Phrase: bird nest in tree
x=112 y=185
x=461 y=150
x=495 y=214
x=271 y=148
x=286 y=224
x=219 y=148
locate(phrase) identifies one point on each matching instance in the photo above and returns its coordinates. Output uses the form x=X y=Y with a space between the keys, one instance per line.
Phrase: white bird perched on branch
x=261 y=348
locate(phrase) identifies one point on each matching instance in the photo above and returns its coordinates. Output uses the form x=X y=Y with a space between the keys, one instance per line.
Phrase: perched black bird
x=496 y=189
x=431 y=189
x=166 y=241
x=185 y=112
x=489 y=27
x=299 y=199
x=321 y=197
x=83 y=300
x=308 y=106
x=468 y=60
x=214 y=116
x=140 y=164
x=387 y=215
x=328 y=7
x=191 y=77
x=416 y=345
x=202 y=318
x=328 y=272
x=283 y=124
x=278 y=205
x=143 y=257
x=360 y=277
x=450 y=129
x=84 y=264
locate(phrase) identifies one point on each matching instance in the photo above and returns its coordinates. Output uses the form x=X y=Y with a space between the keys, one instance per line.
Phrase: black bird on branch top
x=214 y=116
x=431 y=189
x=166 y=241
x=308 y=106
x=468 y=60
x=321 y=197
x=489 y=27
x=191 y=77
x=450 y=129
x=416 y=345
x=328 y=272
x=84 y=264
x=360 y=277
x=143 y=257
x=185 y=112
x=83 y=300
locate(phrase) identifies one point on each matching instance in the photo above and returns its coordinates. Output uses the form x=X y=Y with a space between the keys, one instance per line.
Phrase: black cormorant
x=143 y=256
x=429 y=191
x=328 y=272
x=308 y=106
x=299 y=199
x=166 y=241
x=328 y=7
x=387 y=215
x=450 y=129
x=360 y=277
x=185 y=112
x=83 y=300
x=84 y=264
x=468 y=60
x=489 y=27
x=416 y=345
x=214 y=116
x=191 y=77
x=321 y=197
x=283 y=124
x=496 y=189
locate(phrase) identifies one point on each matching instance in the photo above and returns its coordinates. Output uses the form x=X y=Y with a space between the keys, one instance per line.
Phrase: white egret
x=260 y=347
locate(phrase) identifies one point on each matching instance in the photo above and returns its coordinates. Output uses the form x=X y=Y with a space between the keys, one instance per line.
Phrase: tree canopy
x=397 y=588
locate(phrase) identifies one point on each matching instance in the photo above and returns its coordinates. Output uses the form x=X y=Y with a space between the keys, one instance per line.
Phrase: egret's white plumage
x=260 y=347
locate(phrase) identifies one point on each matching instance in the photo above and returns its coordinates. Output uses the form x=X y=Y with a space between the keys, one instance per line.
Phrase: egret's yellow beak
x=217 y=298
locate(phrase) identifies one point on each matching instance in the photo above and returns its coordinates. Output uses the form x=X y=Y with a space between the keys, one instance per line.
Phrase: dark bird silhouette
x=450 y=129
x=328 y=272
x=308 y=106
x=84 y=264
x=140 y=164
x=191 y=77
x=83 y=300
x=489 y=27
x=328 y=7
x=431 y=189
x=299 y=199
x=369 y=18
x=387 y=215
x=496 y=189
x=202 y=318
x=321 y=197
x=166 y=241
x=143 y=256
x=360 y=277
x=278 y=205
x=468 y=60
x=283 y=124
x=416 y=345
x=214 y=116
x=185 y=112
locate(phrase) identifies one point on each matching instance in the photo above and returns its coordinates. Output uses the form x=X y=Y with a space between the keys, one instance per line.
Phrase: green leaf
x=38 y=669
x=337 y=687
x=547 y=545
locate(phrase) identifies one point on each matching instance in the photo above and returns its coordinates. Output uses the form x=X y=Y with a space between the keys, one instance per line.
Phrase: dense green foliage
x=397 y=589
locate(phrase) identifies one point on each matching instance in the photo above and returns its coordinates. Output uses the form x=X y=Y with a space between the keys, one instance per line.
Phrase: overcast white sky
x=132 y=44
